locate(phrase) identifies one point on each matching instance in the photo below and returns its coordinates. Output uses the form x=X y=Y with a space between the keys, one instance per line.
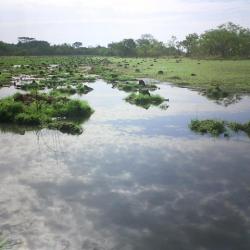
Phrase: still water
x=136 y=179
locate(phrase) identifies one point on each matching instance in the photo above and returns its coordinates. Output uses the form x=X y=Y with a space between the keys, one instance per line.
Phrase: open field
x=231 y=75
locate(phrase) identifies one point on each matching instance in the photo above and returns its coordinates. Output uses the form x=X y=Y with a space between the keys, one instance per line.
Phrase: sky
x=99 y=22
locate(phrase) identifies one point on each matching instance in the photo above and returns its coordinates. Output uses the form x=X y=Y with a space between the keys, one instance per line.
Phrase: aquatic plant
x=66 y=127
x=83 y=89
x=144 y=100
x=216 y=128
x=237 y=127
x=212 y=127
x=216 y=93
x=43 y=110
x=134 y=86
x=3 y=243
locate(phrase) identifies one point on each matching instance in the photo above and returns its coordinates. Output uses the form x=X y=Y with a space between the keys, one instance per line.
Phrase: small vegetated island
x=217 y=127
x=45 y=111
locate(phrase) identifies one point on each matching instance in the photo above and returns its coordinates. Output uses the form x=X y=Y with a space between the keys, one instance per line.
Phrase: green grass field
x=231 y=75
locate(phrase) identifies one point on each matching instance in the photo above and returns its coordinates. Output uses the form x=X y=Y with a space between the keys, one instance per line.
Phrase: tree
x=24 y=39
x=226 y=40
x=126 y=47
x=77 y=45
x=190 y=44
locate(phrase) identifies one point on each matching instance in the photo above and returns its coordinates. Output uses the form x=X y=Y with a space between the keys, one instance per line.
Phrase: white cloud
x=66 y=21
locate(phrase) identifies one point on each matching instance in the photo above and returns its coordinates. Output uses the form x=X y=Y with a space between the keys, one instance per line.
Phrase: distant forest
x=225 y=41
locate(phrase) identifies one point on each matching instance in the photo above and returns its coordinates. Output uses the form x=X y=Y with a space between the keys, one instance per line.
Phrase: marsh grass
x=237 y=127
x=216 y=93
x=232 y=76
x=43 y=110
x=216 y=128
x=143 y=100
x=134 y=86
x=212 y=127
x=3 y=243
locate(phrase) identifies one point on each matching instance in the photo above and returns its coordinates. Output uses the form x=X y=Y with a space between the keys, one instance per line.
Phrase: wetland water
x=136 y=179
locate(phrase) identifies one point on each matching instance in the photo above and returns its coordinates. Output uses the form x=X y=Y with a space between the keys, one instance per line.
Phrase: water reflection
x=125 y=183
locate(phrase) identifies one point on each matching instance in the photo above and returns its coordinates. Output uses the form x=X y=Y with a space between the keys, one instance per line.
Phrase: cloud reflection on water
x=125 y=185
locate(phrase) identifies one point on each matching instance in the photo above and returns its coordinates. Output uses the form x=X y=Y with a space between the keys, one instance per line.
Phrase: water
x=135 y=179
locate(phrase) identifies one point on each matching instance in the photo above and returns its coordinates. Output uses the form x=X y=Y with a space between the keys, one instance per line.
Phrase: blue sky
x=96 y=22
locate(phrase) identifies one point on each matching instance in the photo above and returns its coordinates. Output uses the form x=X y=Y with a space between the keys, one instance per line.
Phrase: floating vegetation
x=4 y=243
x=69 y=90
x=221 y=96
x=144 y=100
x=216 y=93
x=216 y=128
x=211 y=127
x=134 y=86
x=237 y=127
x=66 y=127
x=83 y=89
x=44 y=111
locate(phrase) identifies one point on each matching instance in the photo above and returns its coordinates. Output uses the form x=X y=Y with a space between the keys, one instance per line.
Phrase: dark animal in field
x=142 y=83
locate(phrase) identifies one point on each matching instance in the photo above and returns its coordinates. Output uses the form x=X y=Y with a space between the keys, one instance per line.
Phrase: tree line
x=227 y=40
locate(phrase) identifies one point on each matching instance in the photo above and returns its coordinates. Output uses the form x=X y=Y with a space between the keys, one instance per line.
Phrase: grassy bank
x=229 y=75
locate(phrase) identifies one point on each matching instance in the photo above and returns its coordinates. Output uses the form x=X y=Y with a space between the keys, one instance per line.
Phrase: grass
x=216 y=128
x=134 y=86
x=216 y=93
x=44 y=111
x=144 y=101
x=237 y=127
x=3 y=243
x=230 y=75
x=66 y=127
x=211 y=127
